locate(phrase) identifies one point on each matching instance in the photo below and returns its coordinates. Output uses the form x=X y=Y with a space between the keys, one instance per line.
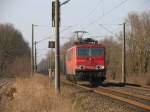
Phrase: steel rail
x=131 y=96
x=109 y=94
x=146 y=87
x=3 y=83
x=141 y=88
x=128 y=93
x=132 y=85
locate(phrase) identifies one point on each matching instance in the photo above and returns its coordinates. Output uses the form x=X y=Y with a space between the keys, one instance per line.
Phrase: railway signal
x=51 y=44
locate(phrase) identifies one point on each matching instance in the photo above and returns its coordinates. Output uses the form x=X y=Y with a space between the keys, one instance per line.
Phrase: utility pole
x=55 y=23
x=124 y=55
x=32 y=51
x=51 y=65
x=35 y=57
x=57 y=53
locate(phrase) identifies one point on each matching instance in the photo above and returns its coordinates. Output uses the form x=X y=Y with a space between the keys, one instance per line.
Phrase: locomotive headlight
x=80 y=67
x=100 y=67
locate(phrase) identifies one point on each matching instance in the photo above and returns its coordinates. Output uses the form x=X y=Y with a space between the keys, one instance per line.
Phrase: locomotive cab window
x=97 y=51
x=90 y=51
x=83 y=52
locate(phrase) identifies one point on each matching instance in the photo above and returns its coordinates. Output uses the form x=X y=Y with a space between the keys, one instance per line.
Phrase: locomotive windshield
x=90 y=51
x=97 y=51
x=83 y=51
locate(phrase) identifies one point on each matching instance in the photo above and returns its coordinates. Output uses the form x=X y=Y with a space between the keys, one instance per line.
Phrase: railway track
x=132 y=99
x=145 y=88
x=5 y=82
x=148 y=87
x=131 y=85
x=2 y=83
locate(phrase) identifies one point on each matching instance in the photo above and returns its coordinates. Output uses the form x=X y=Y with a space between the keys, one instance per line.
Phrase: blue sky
x=76 y=15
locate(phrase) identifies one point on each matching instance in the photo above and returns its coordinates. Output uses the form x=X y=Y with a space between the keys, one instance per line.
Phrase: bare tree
x=12 y=46
x=138 y=39
x=113 y=57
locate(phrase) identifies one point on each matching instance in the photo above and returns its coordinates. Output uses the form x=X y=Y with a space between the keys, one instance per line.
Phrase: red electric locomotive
x=85 y=61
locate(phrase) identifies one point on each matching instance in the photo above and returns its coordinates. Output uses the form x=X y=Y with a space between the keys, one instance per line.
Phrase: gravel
x=86 y=101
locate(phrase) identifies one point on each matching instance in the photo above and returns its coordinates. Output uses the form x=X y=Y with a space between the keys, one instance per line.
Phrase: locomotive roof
x=86 y=42
x=87 y=45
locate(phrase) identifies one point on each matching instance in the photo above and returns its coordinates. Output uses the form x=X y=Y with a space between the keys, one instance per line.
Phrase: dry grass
x=142 y=79
x=37 y=95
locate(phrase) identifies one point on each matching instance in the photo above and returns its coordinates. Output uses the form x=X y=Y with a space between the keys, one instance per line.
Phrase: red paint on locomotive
x=87 y=60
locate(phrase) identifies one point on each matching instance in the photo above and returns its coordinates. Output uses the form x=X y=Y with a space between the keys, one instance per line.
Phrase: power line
x=108 y=12
x=99 y=2
x=92 y=11
x=38 y=25
x=43 y=39
x=42 y=49
x=65 y=29
x=53 y=34
x=41 y=54
x=109 y=24
x=106 y=29
x=65 y=2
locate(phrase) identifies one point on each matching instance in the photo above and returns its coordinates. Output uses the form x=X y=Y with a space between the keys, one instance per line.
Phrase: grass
x=37 y=94
x=142 y=79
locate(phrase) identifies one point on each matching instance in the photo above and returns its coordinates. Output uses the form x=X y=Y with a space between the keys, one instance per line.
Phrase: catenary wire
x=107 y=13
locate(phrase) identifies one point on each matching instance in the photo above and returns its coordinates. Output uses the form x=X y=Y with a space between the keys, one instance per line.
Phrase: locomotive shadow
x=112 y=84
x=91 y=86
x=84 y=83
x=109 y=84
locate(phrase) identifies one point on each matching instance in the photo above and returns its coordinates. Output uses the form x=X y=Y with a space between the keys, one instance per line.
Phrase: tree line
x=14 y=52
